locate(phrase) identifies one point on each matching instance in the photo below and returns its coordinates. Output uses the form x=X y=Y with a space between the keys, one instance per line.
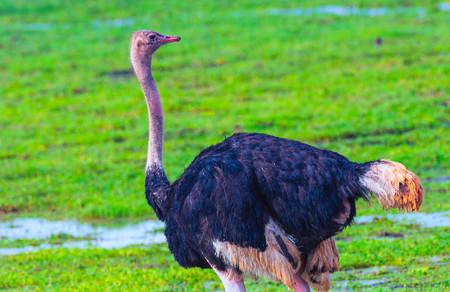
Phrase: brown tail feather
x=394 y=185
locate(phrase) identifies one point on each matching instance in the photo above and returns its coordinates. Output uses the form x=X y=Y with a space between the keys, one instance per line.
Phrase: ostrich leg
x=230 y=282
x=301 y=285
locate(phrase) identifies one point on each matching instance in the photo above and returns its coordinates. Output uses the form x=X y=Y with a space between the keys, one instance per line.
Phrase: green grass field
x=73 y=123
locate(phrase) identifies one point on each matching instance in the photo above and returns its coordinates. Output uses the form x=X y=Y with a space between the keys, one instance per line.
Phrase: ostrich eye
x=152 y=37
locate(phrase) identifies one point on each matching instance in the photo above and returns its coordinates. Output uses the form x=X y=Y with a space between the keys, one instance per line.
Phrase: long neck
x=155 y=113
x=156 y=182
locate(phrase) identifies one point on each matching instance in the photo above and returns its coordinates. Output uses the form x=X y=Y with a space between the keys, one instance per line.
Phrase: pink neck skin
x=142 y=68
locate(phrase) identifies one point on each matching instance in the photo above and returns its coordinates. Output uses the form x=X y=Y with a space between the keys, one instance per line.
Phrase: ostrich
x=258 y=204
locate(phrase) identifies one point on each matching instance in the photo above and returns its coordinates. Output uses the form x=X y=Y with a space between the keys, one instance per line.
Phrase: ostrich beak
x=169 y=39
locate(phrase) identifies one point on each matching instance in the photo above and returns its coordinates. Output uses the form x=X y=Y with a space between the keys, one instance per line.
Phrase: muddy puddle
x=82 y=235
x=382 y=277
x=85 y=235
x=347 y=284
x=120 y=22
x=440 y=179
x=340 y=10
x=444 y=7
x=336 y=10
x=113 y=23
x=347 y=11
x=425 y=220
x=373 y=272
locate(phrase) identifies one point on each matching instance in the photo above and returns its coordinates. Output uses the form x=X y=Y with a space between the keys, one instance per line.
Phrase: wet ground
x=347 y=11
x=337 y=10
x=425 y=220
x=80 y=235
x=376 y=277
x=113 y=23
x=340 y=10
x=85 y=235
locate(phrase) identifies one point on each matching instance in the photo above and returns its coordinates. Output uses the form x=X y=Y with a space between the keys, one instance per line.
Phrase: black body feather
x=232 y=189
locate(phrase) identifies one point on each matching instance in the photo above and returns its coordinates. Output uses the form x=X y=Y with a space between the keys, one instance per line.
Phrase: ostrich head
x=145 y=42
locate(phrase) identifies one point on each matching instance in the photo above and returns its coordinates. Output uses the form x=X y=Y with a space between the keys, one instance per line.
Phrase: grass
x=154 y=268
x=73 y=120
